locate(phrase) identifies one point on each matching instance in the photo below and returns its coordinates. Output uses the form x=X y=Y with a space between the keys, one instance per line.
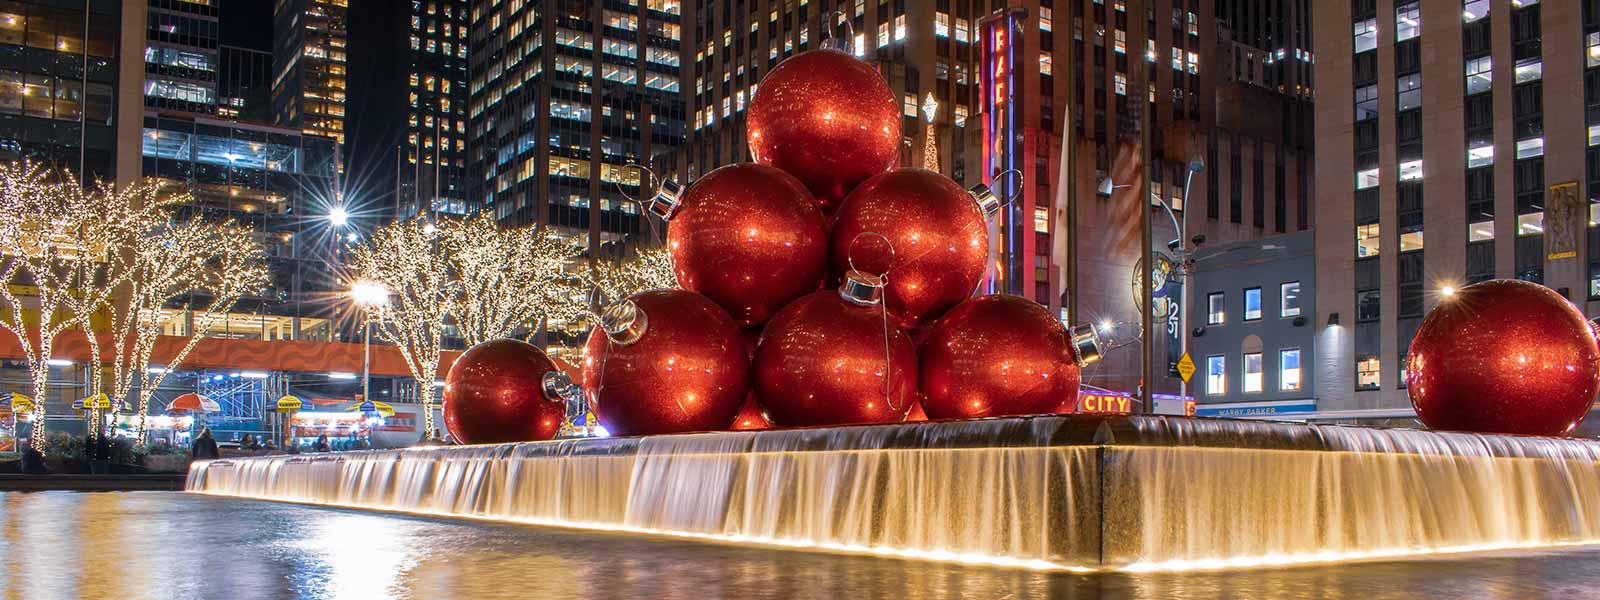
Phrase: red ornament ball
x=938 y=241
x=750 y=417
x=494 y=394
x=677 y=365
x=827 y=118
x=997 y=355
x=1503 y=356
x=750 y=238
x=822 y=362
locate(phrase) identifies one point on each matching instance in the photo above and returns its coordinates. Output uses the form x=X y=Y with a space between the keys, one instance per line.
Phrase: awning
x=192 y=402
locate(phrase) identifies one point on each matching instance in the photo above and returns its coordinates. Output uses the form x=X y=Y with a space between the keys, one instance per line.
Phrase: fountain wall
x=1057 y=491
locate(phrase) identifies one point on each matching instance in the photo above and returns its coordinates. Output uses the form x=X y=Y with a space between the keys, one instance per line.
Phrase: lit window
x=1482 y=153
x=909 y=105
x=900 y=28
x=1252 y=304
x=1366 y=102
x=1530 y=224
x=961 y=30
x=883 y=34
x=1530 y=148
x=1408 y=91
x=1529 y=69
x=1367 y=179
x=1216 y=308
x=1592 y=49
x=1216 y=377
x=1411 y=170
x=1594 y=135
x=1480 y=231
x=1407 y=22
x=961 y=116
x=1472 y=10
x=860 y=44
x=1480 y=75
x=1410 y=240
x=1252 y=372
x=1367 y=373
x=1289 y=370
x=1044 y=63
x=1119 y=41
x=1044 y=18
x=1120 y=83
x=1366 y=33
x=1041 y=220
x=1289 y=299
x=1367 y=240
x=941 y=24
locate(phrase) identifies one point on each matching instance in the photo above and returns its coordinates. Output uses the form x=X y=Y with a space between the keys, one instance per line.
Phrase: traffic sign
x=1186 y=367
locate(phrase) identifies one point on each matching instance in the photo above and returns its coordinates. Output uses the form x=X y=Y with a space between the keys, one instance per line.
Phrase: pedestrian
x=204 y=447
x=322 y=444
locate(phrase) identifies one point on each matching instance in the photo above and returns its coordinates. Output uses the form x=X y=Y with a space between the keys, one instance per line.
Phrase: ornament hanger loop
x=850 y=252
x=831 y=41
x=647 y=171
x=1013 y=194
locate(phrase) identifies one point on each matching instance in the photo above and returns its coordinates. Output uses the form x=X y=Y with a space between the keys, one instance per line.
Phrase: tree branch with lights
x=505 y=277
x=648 y=269
x=407 y=260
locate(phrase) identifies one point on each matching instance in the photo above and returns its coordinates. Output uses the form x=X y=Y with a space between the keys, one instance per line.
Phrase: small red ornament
x=504 y=391
x=750 y=417
x=1503 y=356
x=997 y=355
x=747 y=236
x=668 y=361
x=938 y=240
x=822 y=360
x=827 y=118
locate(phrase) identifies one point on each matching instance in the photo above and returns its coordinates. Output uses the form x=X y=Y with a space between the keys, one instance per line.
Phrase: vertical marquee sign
x=1002 y=135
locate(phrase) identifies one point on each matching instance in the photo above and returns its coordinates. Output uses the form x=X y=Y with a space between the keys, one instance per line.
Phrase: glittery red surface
x=826 y=118
x=994 y=356
x=1504 y=356
x=494 y=394
x=688 y=372
x=750 y=417
x=750 y=238
x=939 y=238
x=821 y=361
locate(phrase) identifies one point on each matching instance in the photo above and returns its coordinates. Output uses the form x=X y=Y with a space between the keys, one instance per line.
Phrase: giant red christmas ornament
x=938 y=240
x=826 y=118
x=747 y=236
x=505 y=391
x=750 y=417
x=1503 y=356
x=1000 y=355
x=823 y=361
x=669 y=361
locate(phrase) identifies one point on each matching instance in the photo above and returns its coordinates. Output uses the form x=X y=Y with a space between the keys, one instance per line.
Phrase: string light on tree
x=506 y=278
x=405 y=258
x=930 y=146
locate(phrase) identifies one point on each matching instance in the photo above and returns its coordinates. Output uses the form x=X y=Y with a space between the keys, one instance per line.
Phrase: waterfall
x=1056 y=491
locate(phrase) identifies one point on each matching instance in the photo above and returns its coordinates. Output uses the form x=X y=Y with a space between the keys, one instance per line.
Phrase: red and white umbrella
x=193 y=403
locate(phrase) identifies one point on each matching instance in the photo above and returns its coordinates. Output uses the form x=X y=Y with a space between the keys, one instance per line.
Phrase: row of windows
x=1288 y=304
x=1288 y=372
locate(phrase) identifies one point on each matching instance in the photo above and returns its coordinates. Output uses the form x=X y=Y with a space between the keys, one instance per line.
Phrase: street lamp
x=367 y=294
x=339 y=217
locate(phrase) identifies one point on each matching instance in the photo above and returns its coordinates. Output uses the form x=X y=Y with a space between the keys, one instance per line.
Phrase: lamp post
x=367 y=294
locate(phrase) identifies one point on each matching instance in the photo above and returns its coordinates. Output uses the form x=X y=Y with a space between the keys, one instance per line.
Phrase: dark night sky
x=247 y=23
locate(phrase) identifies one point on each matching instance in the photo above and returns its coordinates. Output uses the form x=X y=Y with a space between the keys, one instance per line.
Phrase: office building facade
x=309 y=63
x=1458 y=143
x=244 y=86
x=58 y=79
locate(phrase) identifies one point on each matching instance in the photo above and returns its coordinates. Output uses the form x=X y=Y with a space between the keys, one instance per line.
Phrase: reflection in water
x=169 y=545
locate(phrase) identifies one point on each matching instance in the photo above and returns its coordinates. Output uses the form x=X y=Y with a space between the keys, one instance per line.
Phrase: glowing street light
x=367 y=294
x=1447 y=291
x=339 y=217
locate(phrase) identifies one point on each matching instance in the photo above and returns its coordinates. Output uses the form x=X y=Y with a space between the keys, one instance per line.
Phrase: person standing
x=204 y=447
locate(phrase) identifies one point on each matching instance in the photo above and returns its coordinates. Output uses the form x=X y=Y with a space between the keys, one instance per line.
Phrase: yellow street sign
x=1186 y=367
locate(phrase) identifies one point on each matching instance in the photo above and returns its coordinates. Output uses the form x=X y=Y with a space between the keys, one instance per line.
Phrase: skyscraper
x=409 y=100
x=565 y=95
x=1444 y=162
x=180 y=58
x=1053 y=89
x=57 y=82
x=309 y=58
x=244 y=88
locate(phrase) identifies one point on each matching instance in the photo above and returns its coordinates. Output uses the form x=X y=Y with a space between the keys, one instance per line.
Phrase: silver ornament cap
x=666 y=200
x=623 y=322
x=862 y=289
x=558 y=387
x=988 y=203
x=1087 y=347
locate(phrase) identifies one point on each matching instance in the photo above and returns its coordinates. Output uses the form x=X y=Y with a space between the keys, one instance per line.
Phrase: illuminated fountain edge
x=1076 y=492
